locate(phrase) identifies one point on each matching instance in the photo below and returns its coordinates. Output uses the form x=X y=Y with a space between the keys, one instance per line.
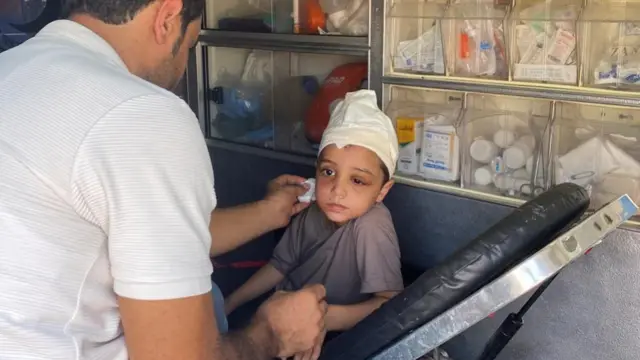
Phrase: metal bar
x=319 y=44
x=204 y=109
x=257 y=151
x=558 y=93
x=455 y=189
x=510 y=326
x=193 y=79
x=376 y=42
x=524 y=277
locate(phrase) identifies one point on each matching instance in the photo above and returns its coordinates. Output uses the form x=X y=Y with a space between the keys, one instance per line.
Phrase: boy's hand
x=282 y=198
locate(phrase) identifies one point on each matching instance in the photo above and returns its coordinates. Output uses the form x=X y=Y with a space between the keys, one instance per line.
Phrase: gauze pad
x=310 y=195
x=357 y=120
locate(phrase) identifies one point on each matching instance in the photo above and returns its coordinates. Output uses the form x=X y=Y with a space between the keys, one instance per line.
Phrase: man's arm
x=344 y=317
x=233 y=227
x=185 y=328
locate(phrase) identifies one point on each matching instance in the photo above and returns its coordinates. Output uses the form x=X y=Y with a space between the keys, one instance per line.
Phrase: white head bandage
x=357 y=120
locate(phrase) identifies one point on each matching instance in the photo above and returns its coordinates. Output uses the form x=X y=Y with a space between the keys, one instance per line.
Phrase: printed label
x=438 y=150
x=551 y=73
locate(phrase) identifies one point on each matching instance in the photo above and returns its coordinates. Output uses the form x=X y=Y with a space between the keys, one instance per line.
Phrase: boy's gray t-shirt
x=353 y=261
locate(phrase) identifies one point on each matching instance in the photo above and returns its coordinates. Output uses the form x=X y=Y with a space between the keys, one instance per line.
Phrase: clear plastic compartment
x=426 y=123
x=598 y=148
x=340 y=17
x=269 y=98
x=475 y=39
x=505 y=145
x=544 y=41
x=414 y=37
x=612 y=45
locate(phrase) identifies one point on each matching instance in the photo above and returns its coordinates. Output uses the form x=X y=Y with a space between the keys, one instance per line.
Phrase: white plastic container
x=440 y=156
x=410 y=131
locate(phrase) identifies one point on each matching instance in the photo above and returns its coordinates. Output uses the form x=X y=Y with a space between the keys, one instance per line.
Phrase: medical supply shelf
x=413 y=181
x=392 y=22
x=581 y=43
x=237 y=66
x=520 y=89
x=421 y=52
x=320 y=44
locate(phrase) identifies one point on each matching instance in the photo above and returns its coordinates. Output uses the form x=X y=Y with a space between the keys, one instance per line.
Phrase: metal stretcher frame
x=524 y=277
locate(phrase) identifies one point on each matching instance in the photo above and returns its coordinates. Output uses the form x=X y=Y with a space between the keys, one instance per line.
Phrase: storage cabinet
x=544 y=41
x=263 y=97
x=490 y=99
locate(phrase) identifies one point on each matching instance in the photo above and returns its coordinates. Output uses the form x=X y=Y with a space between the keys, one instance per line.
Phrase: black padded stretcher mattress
x=523 y=232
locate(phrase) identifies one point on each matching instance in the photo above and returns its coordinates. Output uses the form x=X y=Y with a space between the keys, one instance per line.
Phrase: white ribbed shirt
x=106 y=188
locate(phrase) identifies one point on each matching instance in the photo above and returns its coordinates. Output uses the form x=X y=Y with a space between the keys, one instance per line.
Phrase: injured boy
x=346 y=239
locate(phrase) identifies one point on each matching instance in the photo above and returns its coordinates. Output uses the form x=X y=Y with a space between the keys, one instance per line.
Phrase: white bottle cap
x=483 y=176
x=516 y=156
x=483 y=151
x=504 y=138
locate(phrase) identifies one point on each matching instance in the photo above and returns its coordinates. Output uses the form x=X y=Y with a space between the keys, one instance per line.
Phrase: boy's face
x=349 y=181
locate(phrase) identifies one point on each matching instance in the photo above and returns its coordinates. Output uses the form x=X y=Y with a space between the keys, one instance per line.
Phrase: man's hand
x=233 y=227
x=313 y=353
x=282 y=198
x=295 y=320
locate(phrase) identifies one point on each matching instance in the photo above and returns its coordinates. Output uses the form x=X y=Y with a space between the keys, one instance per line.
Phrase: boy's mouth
x=336 y=208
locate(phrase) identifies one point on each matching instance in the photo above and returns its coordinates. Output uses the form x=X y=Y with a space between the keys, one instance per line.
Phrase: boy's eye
x=358 y=181
x=327 y=172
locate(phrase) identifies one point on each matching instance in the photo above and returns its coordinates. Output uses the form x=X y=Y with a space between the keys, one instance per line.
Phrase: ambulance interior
x=493 y=269
x=263 y=81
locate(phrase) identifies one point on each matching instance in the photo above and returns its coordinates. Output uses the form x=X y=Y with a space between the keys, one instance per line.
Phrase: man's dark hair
x=117 y=12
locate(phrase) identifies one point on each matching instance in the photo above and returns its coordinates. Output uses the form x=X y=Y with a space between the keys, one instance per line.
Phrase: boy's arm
x=284 y=259
x=344 y=317
x=264 y=280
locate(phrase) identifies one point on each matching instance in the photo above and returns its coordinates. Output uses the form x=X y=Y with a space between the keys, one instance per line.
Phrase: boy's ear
x=384 y=191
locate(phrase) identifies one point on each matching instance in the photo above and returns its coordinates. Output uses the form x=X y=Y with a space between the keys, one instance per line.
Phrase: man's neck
x=128 y=47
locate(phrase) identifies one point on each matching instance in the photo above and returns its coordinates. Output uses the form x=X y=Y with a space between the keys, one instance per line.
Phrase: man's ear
x=167 y=26
x=385 y=190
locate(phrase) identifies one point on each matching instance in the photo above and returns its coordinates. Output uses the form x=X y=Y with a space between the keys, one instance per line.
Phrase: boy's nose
x=339 y=189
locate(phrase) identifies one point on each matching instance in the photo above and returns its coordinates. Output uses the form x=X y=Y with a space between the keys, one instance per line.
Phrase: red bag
x=343 y=79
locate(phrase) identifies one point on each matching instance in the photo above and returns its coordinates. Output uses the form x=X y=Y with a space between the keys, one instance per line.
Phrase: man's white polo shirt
x=106 y=188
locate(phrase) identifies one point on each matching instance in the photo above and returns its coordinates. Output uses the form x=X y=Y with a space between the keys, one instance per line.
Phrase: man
x=107 y=214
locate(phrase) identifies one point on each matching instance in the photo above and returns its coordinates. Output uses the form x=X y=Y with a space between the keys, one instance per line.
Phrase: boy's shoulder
x=311 y=217
x=377 y=219
x=378 y=213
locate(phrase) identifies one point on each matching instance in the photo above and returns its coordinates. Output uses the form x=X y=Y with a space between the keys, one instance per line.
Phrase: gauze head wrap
x=357 y=120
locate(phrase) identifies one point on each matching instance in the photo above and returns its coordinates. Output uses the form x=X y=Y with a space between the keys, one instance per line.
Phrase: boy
x=346 y=239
